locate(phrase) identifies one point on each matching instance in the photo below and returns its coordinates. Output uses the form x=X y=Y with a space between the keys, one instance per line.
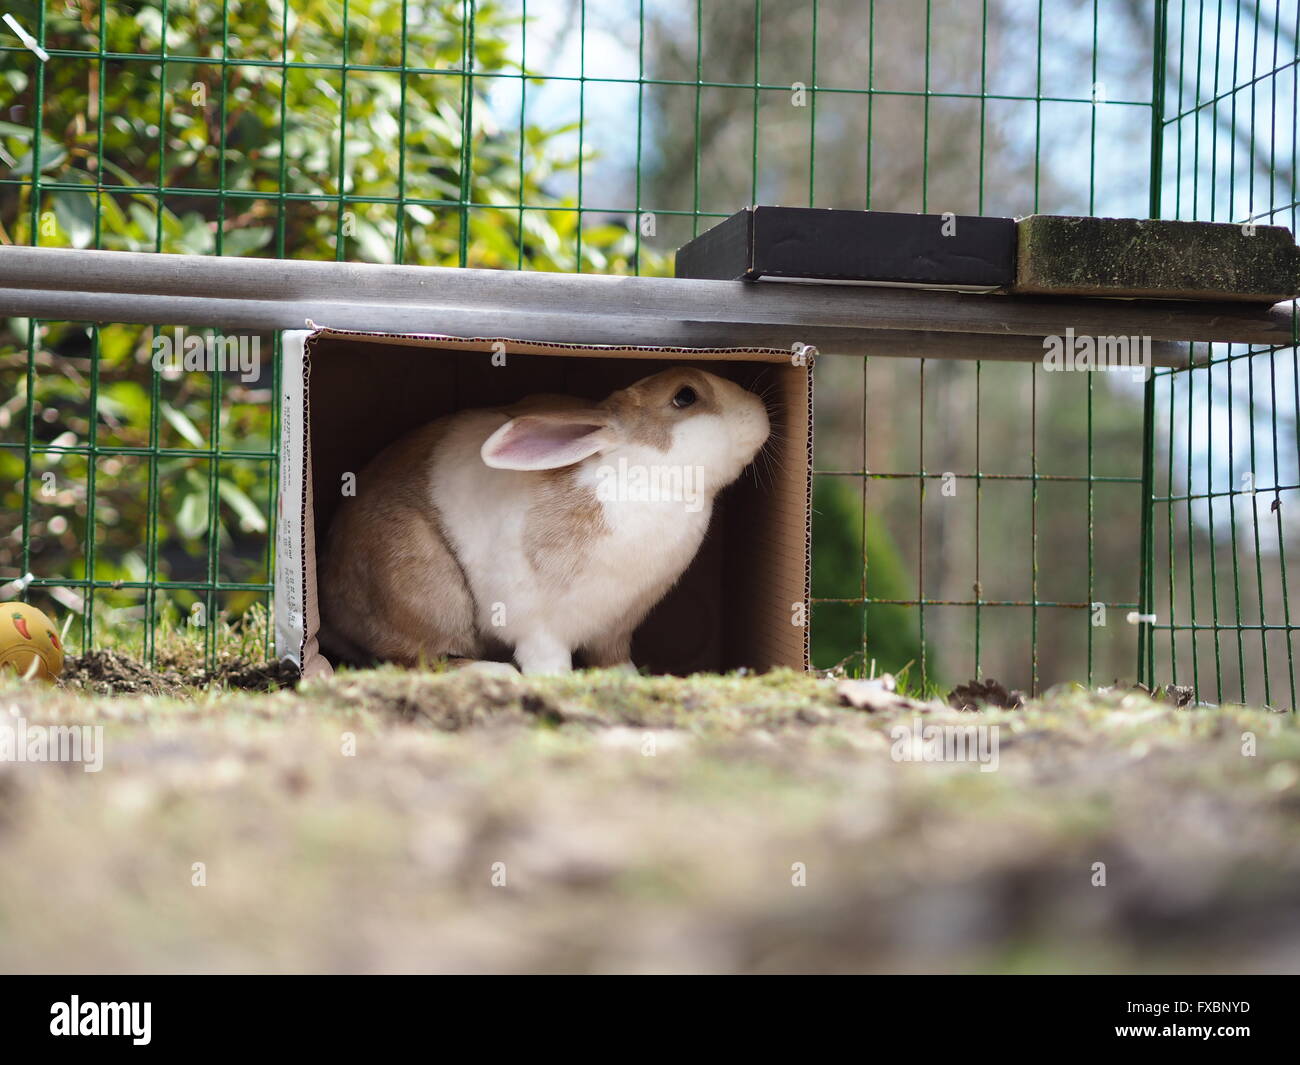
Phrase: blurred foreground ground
x=645 y=825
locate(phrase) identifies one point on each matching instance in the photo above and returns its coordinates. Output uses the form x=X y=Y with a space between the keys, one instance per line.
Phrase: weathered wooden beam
x=269 y=315
x=246 y=293
x=265 y=315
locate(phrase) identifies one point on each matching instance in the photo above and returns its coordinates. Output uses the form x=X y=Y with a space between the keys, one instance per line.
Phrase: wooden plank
x=959 y=252
x=1156 y=257
x=490 y=321
x=836 y=318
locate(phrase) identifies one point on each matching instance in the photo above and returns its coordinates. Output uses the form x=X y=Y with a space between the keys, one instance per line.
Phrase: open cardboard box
x=347 y=395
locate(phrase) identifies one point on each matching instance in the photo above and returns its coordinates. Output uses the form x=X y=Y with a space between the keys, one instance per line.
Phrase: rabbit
x=534 y=530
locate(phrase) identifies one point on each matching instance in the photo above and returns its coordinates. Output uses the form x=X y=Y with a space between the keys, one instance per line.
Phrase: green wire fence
x=1223 y=436
x=970 y=518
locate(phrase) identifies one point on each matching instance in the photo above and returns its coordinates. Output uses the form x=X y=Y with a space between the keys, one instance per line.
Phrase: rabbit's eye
x=684 y=398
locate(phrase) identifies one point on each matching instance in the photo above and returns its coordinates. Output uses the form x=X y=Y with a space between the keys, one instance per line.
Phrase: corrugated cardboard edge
x=290 y=621
x=515 y=346
x=297 y=613
x=807 y=533
x=296 y=630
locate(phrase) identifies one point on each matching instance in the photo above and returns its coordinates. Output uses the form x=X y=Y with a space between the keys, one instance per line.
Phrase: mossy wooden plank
x=1060 y=255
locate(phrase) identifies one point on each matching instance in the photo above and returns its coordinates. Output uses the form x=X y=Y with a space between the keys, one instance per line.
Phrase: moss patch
x=1060 y=255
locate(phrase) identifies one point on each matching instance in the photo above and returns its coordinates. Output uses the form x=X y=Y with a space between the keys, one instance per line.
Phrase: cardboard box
x=347 y=395
x=960 y=252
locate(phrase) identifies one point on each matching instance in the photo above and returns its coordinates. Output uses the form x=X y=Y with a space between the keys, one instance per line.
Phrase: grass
x=181 y=645
x=643 y=824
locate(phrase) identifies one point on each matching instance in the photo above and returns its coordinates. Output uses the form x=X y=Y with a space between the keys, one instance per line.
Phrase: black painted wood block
x=855 y=247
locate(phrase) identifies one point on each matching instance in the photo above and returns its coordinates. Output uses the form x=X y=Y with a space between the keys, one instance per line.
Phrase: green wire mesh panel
x=971 y=518
x=992 y=527
x=1226 y=475
x=146 y=496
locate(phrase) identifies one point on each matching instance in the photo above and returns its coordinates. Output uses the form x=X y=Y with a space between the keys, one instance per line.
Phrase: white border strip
x=290 y=602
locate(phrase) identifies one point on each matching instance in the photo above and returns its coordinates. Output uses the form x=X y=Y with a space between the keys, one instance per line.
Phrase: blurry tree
x=951 y=123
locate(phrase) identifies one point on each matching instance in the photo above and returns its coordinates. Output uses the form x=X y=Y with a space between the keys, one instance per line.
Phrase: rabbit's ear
x=547 y=441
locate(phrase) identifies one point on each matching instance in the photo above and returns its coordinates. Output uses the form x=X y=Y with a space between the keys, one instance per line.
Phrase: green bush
x=839 y=555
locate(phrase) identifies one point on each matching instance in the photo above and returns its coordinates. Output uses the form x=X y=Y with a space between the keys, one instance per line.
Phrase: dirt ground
x=409 y=822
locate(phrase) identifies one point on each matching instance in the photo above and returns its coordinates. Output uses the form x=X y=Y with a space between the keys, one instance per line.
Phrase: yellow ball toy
x=29 y=644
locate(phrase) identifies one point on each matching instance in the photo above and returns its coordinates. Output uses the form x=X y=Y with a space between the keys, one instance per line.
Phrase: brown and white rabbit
x=543 y=529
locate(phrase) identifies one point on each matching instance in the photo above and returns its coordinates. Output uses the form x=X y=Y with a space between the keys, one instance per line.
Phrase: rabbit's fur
x=508 y=531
